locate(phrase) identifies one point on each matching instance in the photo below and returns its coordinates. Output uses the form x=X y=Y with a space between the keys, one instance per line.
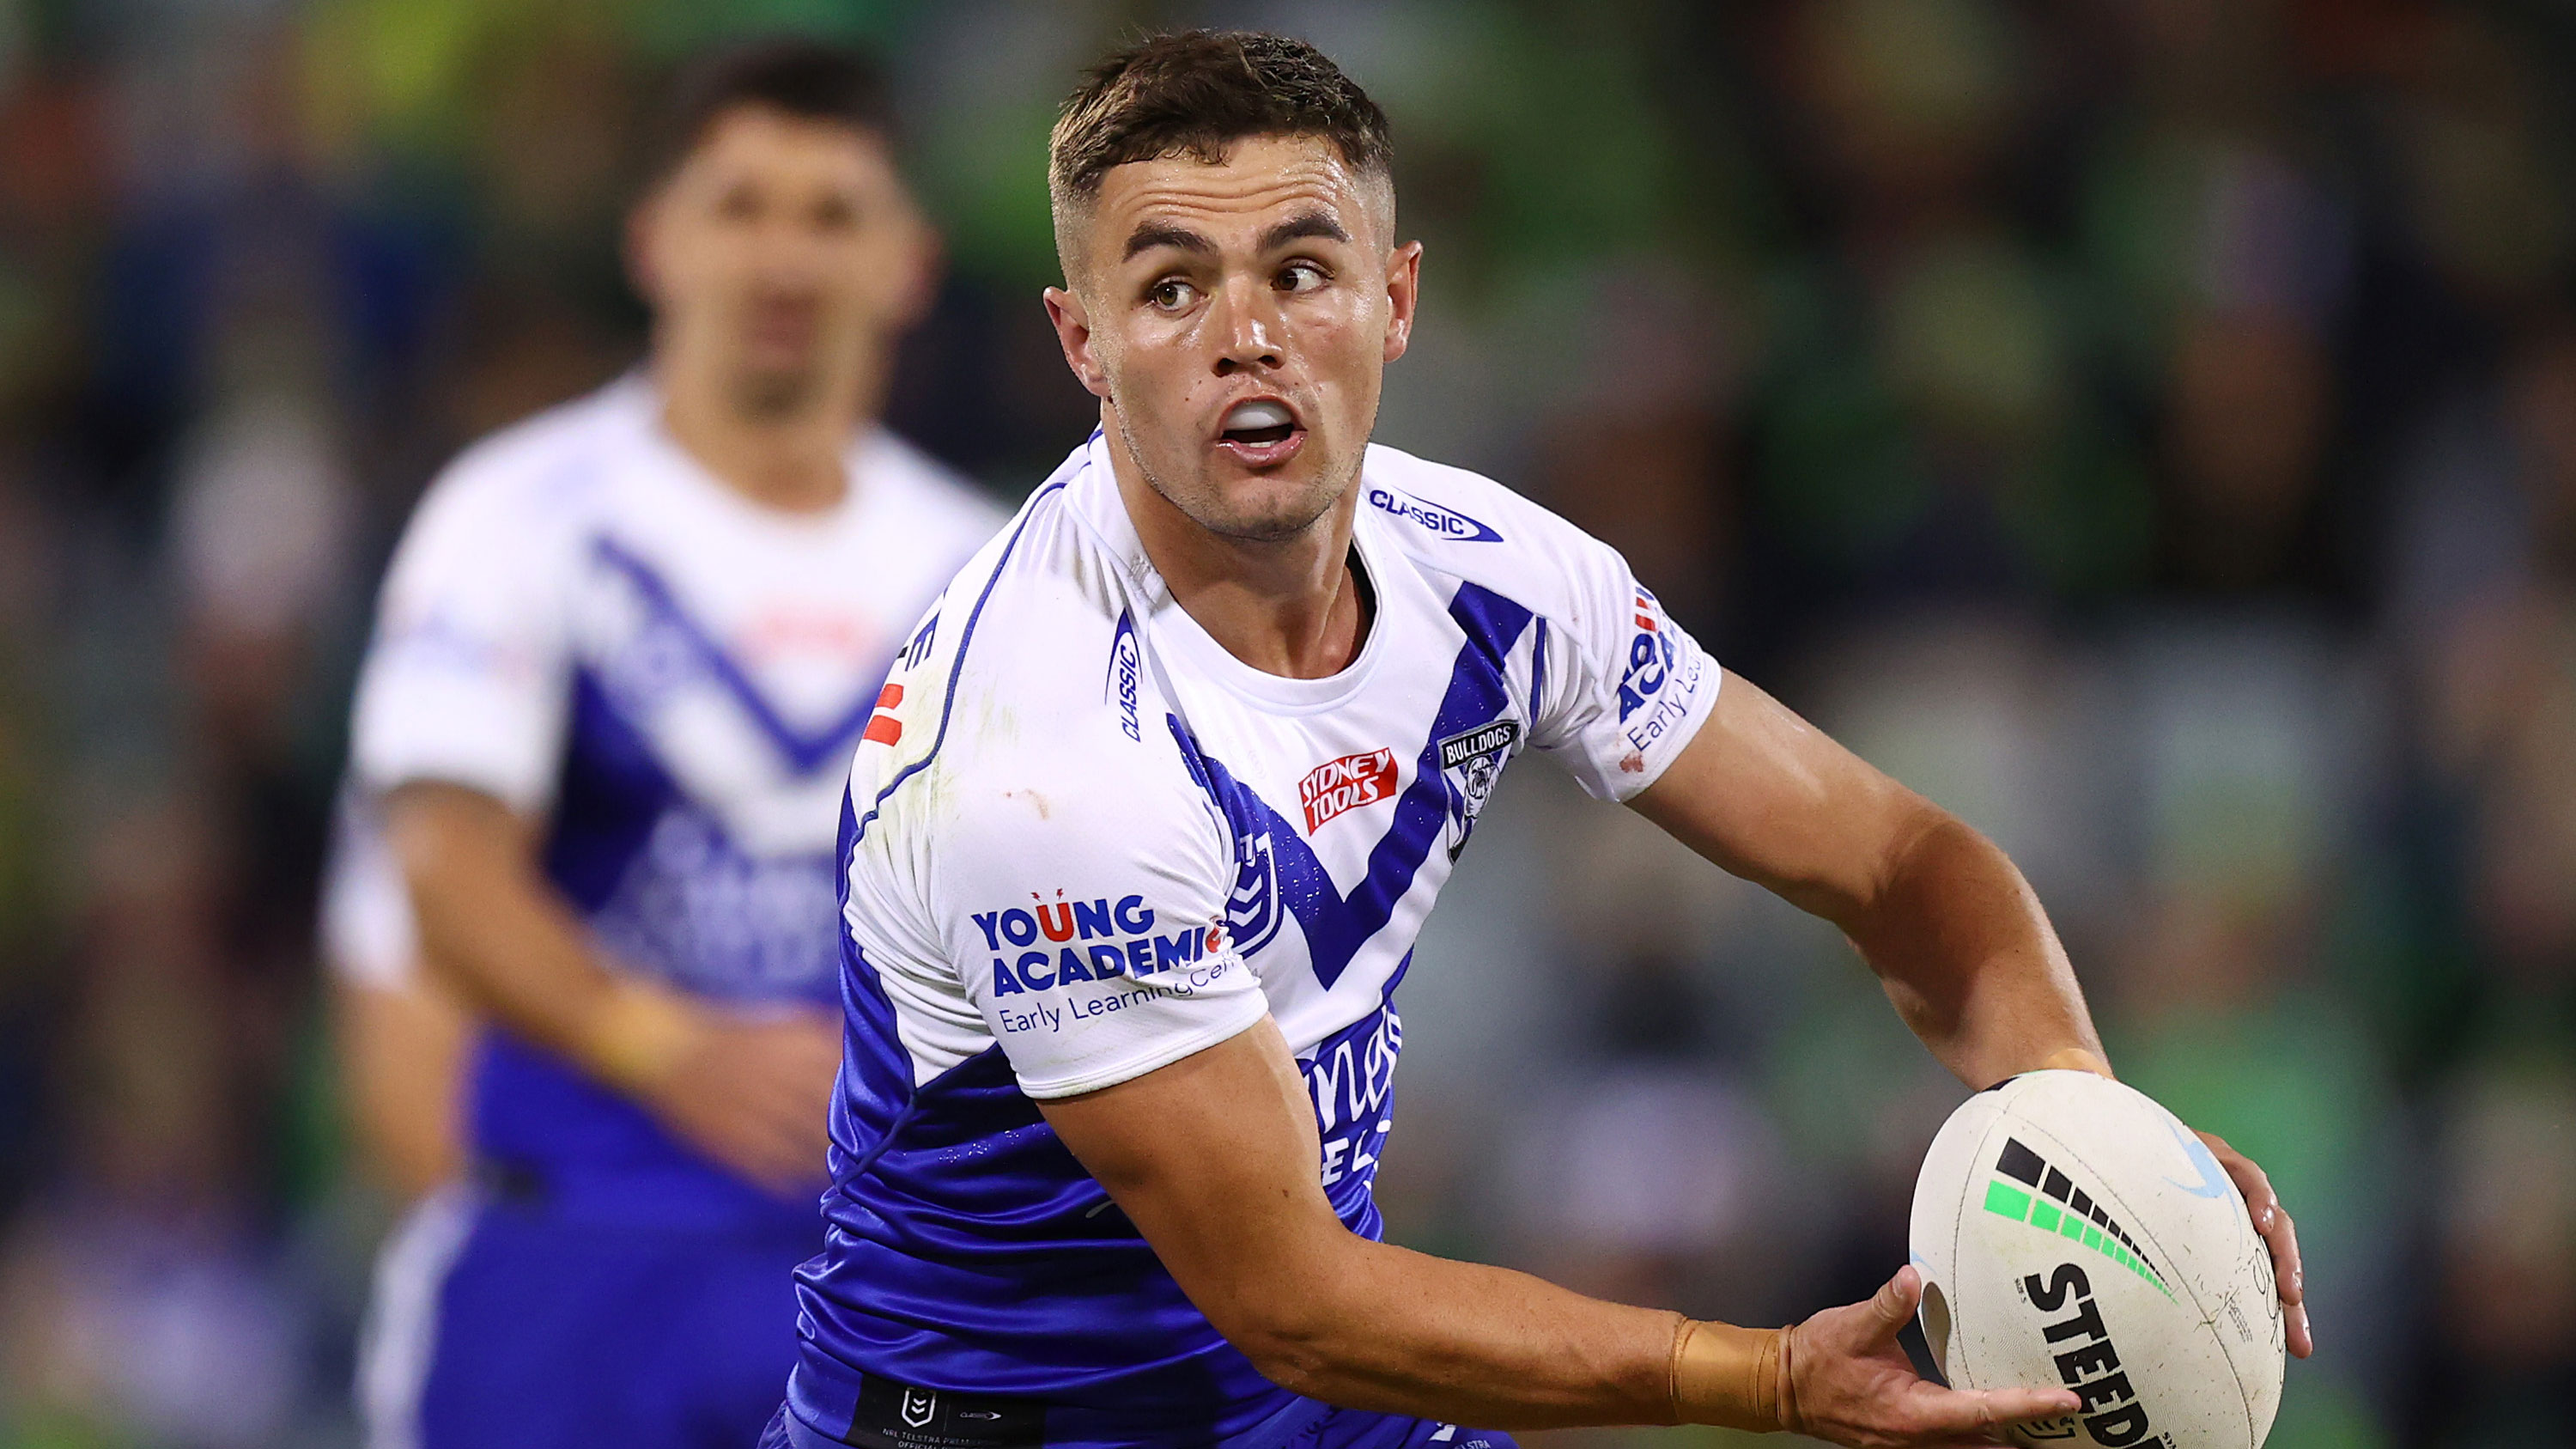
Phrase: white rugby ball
x=2071 y=1232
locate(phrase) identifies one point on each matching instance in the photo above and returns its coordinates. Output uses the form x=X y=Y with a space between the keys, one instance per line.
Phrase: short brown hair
x=1195 y=94
x=812 y=80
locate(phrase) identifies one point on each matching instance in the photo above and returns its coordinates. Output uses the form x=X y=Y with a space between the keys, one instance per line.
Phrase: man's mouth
x=1262 y=432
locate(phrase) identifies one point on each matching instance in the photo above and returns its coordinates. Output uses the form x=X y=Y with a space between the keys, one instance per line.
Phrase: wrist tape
x=639 y=1034
x=1735 y=1378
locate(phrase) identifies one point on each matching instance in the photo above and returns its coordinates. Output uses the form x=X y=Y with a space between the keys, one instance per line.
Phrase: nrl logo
x=1252 y=910
x=1470 y=762
x=919 y=1407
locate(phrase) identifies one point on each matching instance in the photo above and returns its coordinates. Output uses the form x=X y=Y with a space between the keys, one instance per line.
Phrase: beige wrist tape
x=1735 y=1378
x=639 y=1035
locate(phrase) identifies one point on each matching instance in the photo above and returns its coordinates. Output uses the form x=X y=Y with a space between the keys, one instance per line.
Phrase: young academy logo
x=1346 y=784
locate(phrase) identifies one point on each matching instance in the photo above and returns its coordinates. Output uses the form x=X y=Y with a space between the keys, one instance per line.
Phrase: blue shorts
x=539 y=1333
x=1306 y=1425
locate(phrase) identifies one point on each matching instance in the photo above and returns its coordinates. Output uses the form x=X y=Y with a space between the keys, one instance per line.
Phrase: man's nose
x=1248 y=329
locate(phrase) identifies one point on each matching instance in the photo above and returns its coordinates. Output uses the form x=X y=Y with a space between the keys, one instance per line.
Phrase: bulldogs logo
x=1471 y=762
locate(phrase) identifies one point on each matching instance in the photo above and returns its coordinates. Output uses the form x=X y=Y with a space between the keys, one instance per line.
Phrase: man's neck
x=794 y=463
x=1292 y=607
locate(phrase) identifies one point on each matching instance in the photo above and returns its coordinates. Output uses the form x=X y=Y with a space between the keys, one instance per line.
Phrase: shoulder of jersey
x=1018 y=657
x=1466 y=525
x=543 y=470
x=945 y=499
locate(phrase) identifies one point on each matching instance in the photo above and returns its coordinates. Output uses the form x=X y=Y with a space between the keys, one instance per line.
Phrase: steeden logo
x=1346 y=784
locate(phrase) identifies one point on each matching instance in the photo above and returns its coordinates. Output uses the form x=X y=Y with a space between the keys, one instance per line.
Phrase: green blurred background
x=2146 y=426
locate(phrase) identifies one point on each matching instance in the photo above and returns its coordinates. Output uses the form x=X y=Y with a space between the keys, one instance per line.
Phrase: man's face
x=1238 y=319
x=784 y=254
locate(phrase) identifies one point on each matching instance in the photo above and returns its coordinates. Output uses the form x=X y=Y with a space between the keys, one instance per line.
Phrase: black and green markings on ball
x=2072 y=1214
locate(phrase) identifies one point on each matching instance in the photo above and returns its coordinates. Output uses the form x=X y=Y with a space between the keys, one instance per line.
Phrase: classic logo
x=1125 y=664
x=1446 y=522
x=919 y=647
x=1346 y=784
x=1471 y=761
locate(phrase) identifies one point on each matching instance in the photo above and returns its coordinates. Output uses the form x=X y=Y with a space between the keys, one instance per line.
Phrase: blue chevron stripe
x=1336 y=926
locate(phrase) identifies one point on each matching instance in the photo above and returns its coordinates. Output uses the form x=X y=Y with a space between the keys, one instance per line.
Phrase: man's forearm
x=1967 y=955
x=1395 y=1331
x=492 y=927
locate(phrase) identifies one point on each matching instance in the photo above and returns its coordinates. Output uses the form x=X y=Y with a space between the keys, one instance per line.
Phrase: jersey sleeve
x=1625 y=688
x=466 y=678
x=1078 y=896
x=366 y=931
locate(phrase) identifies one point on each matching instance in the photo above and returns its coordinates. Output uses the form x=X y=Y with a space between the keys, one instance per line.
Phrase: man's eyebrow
x=1296 y=228
x=1163 y=234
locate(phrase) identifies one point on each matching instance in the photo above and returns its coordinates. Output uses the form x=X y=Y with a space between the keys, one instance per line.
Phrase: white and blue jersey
x=1084 y=841
x=583 y=623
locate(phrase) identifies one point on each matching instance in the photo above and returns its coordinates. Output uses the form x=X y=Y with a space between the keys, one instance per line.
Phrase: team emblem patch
x=1471 y=761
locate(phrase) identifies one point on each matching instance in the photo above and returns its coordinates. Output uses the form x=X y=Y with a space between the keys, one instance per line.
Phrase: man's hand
x=754 y=1095
x=2273 y=1222
x=1845 y=1378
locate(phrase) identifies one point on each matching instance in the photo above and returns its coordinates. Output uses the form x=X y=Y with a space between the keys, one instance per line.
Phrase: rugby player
x=1167 y=784
x=623 y=655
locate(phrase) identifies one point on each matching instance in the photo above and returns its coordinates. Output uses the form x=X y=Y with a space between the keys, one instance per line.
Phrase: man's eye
x=1300 y=277
x=1171 y=295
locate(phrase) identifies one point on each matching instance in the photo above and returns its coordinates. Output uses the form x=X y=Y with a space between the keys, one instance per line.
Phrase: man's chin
x=765 y=393
x=1262 y=510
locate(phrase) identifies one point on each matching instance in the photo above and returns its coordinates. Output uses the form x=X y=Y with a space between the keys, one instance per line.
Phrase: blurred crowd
x=2148 y=427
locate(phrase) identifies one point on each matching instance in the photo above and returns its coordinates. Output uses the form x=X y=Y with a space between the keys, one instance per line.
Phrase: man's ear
x=1403 y=291
x=1073 y=333
x=926 y=262
x=643 y=262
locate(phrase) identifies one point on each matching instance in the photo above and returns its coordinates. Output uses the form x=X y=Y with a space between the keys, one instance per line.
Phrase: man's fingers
x=2280 y=1235
x=1897 y=1299
x=2251 y=1180
x=1978 y=1413
x=2298 y=1335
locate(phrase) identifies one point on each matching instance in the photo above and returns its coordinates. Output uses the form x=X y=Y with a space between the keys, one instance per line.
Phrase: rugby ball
x=2070 y=1231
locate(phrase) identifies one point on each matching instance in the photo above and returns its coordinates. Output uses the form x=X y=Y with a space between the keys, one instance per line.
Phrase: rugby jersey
x=1083 y=841
x=584 y=623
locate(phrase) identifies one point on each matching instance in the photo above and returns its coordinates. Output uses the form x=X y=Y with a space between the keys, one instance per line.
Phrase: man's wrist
x=2076 y=1059
x=638 y=1036
x=1734 y=1378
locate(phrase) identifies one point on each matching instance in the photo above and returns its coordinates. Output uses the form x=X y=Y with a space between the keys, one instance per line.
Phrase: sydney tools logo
x=1346 y=784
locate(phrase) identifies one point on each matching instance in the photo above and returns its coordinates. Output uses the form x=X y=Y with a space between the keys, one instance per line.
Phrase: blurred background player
x=623 y=655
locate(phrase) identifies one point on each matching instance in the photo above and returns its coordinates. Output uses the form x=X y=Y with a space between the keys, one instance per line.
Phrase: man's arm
x=753 y=1095
x=1213 y=1158
x=1956 y=936
x=401 y=1047
x=1953 y=931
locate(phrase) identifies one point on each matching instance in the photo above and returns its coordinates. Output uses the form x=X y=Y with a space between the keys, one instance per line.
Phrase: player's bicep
x=1771 y=798
x=1213 y=1158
